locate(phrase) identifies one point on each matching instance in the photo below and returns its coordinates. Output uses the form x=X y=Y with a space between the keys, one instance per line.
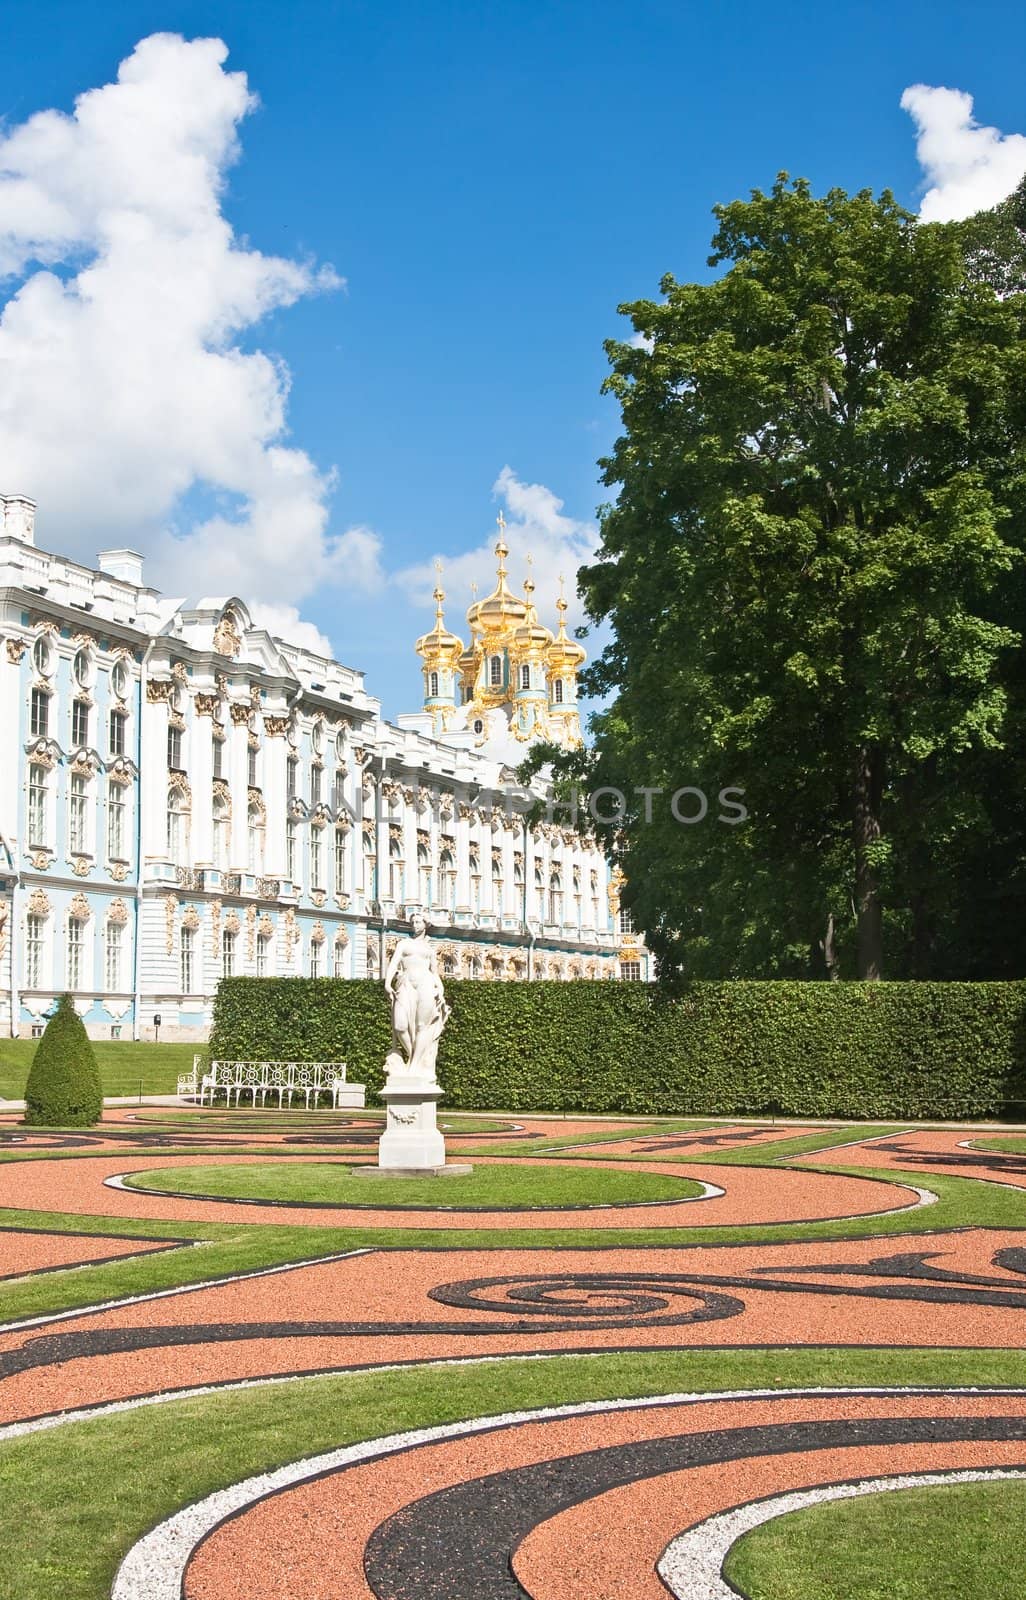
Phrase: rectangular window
x=115 y=1030
x=227 y=954
x=188 y=959
x=626 y=921
x=290 y=851
x=252 y=771
x=218 y=758
x=340 y=861
x=315 y=786
x=34 y=939
x=558 y=696
x=39 y=719
x=37 y=807
x=74 y=966
x=79 y=724
x=315 y=858
x=117 y=733
x=263 y=951
x=340 y=961
x=525 y=677
x=114 y=944
x=174 y=749
x=495 y=672
x=315 y=960
x=290 y=782
x=77 y=814
x=630 y=971
x=115 y=822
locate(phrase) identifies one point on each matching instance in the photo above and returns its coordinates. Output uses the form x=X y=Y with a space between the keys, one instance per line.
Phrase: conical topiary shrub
x=63 y=1089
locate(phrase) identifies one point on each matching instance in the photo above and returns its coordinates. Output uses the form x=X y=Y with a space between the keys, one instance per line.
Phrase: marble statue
x=419 y=1009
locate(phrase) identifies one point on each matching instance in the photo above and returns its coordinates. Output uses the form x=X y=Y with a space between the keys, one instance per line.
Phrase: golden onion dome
x=531 y=634
x=439 y=644
x=564 y=654
x=501 y=611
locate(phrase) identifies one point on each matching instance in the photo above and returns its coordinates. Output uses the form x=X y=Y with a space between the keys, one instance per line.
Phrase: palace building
x=184 y=797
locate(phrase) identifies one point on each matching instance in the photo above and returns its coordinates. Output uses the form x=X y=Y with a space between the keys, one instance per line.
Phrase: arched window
x=448 y=966
x=78 y=842
x=38 y=805
x=117 y=821
x=316 y=859
x=339 y=956
x=555 y=896
x=474 y=966
x=74 y=953
x=424 y=871
x=557 y=691
x=395 y=867
x=340 y=861
x=447 y=877
x=82 y=668
x=35 y=950
x=113 y=956
x=495 y=672
x=525 y=677
x=119 y=678
x=433 y=684
x=222 y=830
x=177 y=828
x=255 y=832
x=263 y=955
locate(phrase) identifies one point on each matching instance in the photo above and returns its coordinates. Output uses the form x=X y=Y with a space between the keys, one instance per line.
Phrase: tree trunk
x=830 y=957
x=867 y=794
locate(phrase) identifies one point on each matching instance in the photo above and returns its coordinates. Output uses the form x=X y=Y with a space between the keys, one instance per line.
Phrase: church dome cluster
x=515 y=677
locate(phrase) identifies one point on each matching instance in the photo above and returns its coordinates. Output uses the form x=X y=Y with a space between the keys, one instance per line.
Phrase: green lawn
x=946 y=1543
x=486 y=1188
x=125 y=1068
x=1012 y=1144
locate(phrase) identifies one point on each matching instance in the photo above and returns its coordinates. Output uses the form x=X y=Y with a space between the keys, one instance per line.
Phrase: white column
x=153 y=769
x=462 y=831
x=510 y=905
x=411 y=892
x=238 y=781
x=201 y=776
x=274 y=787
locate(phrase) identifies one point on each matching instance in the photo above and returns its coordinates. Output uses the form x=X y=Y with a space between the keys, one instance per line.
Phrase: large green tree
x=813 y=574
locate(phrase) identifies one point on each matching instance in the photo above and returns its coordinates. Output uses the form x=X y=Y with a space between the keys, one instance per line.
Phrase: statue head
x=418 y=925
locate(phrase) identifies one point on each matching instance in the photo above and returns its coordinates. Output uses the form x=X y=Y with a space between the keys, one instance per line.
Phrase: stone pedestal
x=411 y=1140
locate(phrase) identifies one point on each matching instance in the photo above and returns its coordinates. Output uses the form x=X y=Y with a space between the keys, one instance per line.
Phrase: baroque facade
x=184 y=797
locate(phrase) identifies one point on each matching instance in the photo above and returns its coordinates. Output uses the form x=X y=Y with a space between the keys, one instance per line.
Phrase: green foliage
x=63 y=1088
x=814 y=573
x=915 y=1050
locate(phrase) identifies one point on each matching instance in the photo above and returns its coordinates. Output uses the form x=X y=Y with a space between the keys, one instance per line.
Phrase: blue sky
x=490 y=182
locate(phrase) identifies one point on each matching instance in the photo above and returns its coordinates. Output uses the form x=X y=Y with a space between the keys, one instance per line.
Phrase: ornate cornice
x=159 y=691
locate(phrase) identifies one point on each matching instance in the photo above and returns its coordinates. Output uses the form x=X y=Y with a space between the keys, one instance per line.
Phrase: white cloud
x=125 y=387
x=642 y=341
x=536 y=526
x=284 y=622
x=968 y=167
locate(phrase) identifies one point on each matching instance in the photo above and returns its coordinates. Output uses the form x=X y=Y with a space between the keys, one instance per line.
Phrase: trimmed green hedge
x=880 y=1050
x=63 y=1088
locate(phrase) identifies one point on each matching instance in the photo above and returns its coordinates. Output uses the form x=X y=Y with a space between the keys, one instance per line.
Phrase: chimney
x=124 y=564
x=19 y=517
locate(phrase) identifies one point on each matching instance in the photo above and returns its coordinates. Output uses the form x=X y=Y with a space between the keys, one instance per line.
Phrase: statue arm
x=393 y=967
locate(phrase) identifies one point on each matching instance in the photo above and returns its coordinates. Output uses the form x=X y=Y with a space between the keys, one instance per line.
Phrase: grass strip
x=941 y=1543
x=485 y=1189
x=76 y=1498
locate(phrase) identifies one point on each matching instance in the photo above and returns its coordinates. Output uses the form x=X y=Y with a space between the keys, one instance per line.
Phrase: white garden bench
x=311 y=1079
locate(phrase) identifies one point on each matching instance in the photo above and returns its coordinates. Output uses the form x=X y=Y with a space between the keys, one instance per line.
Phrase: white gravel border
x=691 y=1566
x=181 y=1288
x=154 y=1568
